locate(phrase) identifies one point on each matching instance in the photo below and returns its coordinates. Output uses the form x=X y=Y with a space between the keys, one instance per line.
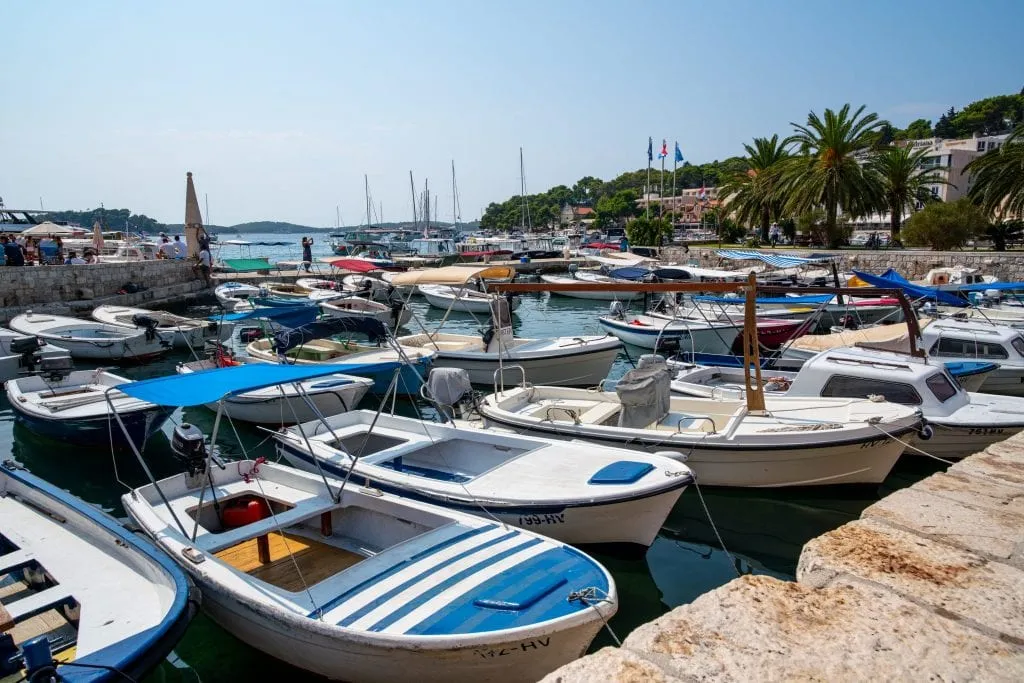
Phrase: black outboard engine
x=28 y=348
x=150 y=325
x=56 y=368
x=189 y=444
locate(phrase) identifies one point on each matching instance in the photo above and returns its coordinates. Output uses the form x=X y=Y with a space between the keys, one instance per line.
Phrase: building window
x=935 y=190
x=981 y=145
x=991 y=145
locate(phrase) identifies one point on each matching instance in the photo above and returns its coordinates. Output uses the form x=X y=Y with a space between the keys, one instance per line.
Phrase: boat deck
x=284 y=553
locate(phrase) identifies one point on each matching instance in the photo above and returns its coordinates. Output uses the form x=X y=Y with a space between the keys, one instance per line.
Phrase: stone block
x=981 y=593
x=973 y=526
x=966 y=485
x=759 y=628
x=609 y=665
x=1002 y=461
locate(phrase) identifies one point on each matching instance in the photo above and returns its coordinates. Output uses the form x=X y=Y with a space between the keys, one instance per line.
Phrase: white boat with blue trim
x=357 y=584
x=577 y=493
x=83 y=598
x=189 y=333
x=92 y=340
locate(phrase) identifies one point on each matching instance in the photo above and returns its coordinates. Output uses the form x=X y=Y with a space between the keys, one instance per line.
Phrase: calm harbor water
x=763 y=530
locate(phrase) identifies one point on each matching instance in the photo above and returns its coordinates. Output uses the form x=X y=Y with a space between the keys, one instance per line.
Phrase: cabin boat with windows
x=961 y=422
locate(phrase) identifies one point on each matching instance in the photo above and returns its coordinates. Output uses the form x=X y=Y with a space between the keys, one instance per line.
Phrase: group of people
x=30 y=251
x=169 y=249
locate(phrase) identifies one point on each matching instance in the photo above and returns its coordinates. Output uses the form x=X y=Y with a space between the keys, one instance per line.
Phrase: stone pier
x=927 y=585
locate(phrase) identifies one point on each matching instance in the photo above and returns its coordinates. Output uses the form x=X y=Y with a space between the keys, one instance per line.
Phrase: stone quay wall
x=927 y=585
x=68 y=290
x=911 y=263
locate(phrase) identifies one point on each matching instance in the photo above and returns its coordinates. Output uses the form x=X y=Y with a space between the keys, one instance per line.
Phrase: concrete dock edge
x=928 y=584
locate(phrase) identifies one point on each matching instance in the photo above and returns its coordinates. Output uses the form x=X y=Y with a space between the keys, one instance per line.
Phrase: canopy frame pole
x=309 y=402
x=145 y=467
x=751 y=354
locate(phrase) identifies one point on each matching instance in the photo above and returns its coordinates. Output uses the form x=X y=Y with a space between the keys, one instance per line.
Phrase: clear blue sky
x=279 y=108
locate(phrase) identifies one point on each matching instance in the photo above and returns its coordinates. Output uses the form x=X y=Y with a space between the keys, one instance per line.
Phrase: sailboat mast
x=455 y=211
x=522 y=192
x=412 y=190
x=366 y=189
x=426 y=204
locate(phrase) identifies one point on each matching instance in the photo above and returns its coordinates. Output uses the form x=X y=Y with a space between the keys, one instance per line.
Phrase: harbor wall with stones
x=927 y=585
x=69 y=290
x=911 y=263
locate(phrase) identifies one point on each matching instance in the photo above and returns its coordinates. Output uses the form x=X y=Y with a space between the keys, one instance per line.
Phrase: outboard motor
x=56 y=368
x=150 y=325
x=397 y=306
x=617 y=310
x=450 y=391
x=189 y=444
x=28 y=348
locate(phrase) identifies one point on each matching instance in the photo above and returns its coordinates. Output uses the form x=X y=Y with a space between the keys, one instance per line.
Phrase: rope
x=907 y=445
x=714 y=528
x=591 y=596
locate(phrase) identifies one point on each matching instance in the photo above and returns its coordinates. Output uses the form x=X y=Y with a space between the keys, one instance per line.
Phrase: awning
x=772 y=259
x=630 y=273
x=354 y=264
x=291 y=316
x=892 y=279
x=52 y=229
x=452 y=275
x=210 y=386
x=288 y=339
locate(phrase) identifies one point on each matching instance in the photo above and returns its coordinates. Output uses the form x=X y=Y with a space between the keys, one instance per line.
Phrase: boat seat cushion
x=621 y=472
x=681 y=421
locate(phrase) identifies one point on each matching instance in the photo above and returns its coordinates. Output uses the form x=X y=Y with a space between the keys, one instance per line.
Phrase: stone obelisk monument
x=194 y=230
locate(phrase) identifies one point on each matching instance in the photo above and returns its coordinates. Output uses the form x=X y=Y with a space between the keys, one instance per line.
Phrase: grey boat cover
x=447 y=386
x=645 y=394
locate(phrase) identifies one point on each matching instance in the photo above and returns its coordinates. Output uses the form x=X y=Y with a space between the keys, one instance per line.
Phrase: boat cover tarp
x=810 y=299
x=452 y=275
x=287 y=339
x=210 y=386
x=982 y=286
x=645 y=395
x=891 y=278
x=354 y=264
x=292 y=316
x=619 y=259
x=243 y=265
x=776 y=260
x=887 y=337
x=630 y=273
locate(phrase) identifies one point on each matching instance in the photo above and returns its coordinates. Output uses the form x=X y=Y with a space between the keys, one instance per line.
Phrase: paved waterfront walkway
x=927 y=585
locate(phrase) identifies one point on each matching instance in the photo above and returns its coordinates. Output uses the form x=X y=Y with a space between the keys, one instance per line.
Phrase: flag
x=679 y=155
x=650 y=150
x=664 y=150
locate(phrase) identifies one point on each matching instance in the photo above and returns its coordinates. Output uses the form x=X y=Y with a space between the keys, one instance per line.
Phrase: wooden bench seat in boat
x=316 y=561
x=601 y=413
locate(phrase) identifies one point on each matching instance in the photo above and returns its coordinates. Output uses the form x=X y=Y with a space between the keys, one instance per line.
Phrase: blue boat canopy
x=892 y=279
x=210 y=386
x=276 y=313
x=777 y=260
x=814 y=299
x=629 y=273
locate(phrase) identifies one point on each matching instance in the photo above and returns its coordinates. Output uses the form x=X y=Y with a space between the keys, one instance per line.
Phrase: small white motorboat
x=284 y=290
x=576 y=493
x=81 y=589
x=73 y=406
x=393 y=316
x=648 y=332
x=21 y=353
x=598 y=296
x=796 y=442
x=961 y=422
x=367 y=286
x=189 y=333
x=318 y=283
x=94 y=340
x=581 y=361
x=290 y=403
x=447 y=297
x=232 y=295
x=355 y=583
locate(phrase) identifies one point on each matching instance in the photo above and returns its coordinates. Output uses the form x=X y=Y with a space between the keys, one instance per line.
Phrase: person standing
x=307 y=253
x=179 y=247
x=13 y=254
x=203 y=266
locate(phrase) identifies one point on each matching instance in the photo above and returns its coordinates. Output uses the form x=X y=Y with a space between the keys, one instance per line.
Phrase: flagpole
x=661 y=214
x=675 y=164
x=650 y=142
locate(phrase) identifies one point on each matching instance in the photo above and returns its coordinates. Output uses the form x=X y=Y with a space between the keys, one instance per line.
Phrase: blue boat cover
x=210 y=386
x=288 y=339
x=773 y=259
x=814 y=299
x=621 y=472
x=294 y=316
x=629 y=273
x=670 y=273
x=982 y=286
x=893 y=279
x=966 y=368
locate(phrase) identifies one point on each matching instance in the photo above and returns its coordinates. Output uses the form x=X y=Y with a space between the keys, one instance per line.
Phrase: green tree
x=1002 y=233
x=828 y=173
x=989 y=116
x=919 y=130
x=904 y=181
x=751 y=193
x=648 y=232
x=944 y=127
x=999 y=178
x=613 y=209
x=945 y=225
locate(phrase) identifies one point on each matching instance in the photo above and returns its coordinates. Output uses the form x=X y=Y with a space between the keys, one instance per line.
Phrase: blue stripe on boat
x=412 y=605
x=384 y=597
x=531 y=592
x=370 y=571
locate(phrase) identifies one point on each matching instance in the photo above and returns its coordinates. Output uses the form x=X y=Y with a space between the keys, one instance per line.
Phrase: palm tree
x=828 y=173
x=751 y=193
x=904 y=181
x=999 y=178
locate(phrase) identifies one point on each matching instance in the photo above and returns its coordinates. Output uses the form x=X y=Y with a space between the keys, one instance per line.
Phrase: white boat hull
x=93 y=340
x=952 y=442
x=513 y=660
x=463 y=303
x=594 y=296
x=1008 y=381
x=696 y=339
x=582 y=369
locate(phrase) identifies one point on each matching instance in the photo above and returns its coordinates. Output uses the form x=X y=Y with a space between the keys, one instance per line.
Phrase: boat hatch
x=32 y=604
x=579 y=412
x=236 y=511
x=454 y=460
x=621 y=472
x=365 y=443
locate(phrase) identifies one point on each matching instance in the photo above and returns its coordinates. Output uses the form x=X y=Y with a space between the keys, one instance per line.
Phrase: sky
x=279 y=109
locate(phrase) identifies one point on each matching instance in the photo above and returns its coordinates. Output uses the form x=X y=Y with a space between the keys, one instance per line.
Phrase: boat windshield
x=1018 y=344
x=941 y=387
